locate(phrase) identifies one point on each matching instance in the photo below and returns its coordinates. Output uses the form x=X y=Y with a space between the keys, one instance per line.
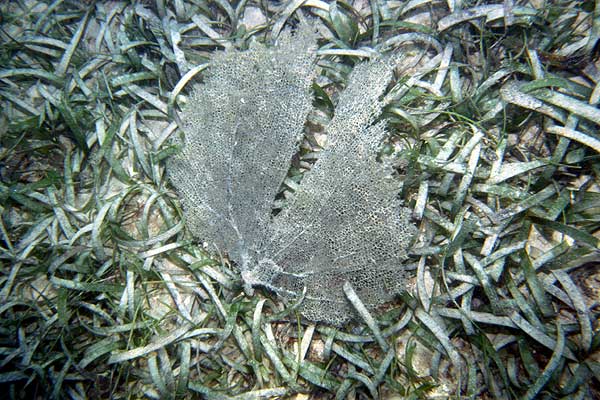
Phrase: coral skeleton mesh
x=344 y=223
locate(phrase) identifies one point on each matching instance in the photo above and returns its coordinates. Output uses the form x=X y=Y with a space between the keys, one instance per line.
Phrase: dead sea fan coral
x=344 y=223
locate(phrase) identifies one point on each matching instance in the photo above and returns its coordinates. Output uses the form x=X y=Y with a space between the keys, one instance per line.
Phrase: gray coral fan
x=345 y=223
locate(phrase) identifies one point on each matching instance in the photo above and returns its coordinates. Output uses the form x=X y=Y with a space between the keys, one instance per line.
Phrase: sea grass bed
x=492 y=138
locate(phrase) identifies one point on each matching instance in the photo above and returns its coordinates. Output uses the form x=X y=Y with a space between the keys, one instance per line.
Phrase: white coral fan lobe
x=344 y=223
